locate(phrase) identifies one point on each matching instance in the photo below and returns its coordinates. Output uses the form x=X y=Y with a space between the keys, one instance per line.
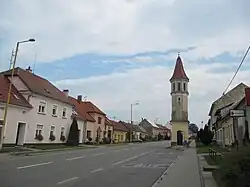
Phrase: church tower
x=179 y=92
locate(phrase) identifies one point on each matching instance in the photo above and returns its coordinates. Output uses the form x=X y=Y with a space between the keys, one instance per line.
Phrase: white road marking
x=125 y=160
x=74 y=158
x=34 y=165
x=67 y=180
x=97 y=154
x=117 y=150
x=96 y=170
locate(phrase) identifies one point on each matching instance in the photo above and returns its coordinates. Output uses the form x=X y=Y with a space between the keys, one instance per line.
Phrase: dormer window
x=46 y=90
x=16 y=97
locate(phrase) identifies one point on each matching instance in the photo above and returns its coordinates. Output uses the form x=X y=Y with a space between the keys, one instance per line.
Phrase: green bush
x=235 y=168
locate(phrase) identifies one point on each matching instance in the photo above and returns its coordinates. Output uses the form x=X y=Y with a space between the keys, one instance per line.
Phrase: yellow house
x=120 y=132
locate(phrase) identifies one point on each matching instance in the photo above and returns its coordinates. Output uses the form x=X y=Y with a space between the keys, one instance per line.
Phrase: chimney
x=66 y=92
x=29 y=69
x=79 y=98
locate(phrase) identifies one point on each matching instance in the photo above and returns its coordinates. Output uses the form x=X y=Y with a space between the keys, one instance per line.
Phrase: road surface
x=134 y=165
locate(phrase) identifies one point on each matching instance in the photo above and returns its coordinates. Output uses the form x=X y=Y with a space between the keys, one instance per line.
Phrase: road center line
x=67 y=180
x=34 y=165
x=74 y=158
x=125 y=160
x=98 y=154
x=117 y=150
x=96 y=170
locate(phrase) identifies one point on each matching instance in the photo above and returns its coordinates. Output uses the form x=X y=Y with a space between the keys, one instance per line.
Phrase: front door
x=179 y=138
x=20 y=134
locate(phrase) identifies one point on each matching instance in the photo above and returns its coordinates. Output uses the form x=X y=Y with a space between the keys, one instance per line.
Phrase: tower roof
x=179 y=72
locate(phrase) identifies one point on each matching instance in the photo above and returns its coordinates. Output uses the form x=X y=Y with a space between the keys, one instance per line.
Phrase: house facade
x=152 y=129
x=120 y=132
x=97 y=126
x=222 y=124
x=47 y=117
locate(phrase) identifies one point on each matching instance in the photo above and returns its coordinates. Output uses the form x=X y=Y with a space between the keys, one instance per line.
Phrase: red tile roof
x=39 y=85
x=118 y=126
x=108 y=122
x=85 y=108
x=247 y=93
x=81 y=110
x=179 y=72
x=91 y=108
x=16 y=98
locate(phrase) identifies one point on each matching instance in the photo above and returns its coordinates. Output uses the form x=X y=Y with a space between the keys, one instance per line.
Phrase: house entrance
x=20 y=136
x=179 y=138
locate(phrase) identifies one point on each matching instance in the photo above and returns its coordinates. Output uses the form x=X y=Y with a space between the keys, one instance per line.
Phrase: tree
x=73 y=138
x=206 y=136
x=193 y=128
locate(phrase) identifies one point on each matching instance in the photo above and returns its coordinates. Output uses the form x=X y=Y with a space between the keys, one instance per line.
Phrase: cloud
x=116 y=52
x=126 y=27
x=150 y=85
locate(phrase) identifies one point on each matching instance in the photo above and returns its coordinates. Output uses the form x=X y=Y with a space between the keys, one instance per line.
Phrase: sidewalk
x=183 y=172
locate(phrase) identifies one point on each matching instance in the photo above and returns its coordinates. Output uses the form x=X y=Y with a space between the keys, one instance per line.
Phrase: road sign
x=237 y=113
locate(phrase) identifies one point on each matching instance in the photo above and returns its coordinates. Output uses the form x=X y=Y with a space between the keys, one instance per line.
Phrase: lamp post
x=131 y=115
x=9 y=91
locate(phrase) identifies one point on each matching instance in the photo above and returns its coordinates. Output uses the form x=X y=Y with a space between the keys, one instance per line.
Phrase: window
x=41 y=107
x=54 y=110
x=62 y=131
x=39 y=129
x=173 y=89
x=99 y=120
x=64 y=112
x=88 y=134
x=184 y=86
x=121 y=137
x=179 y=86
x=52 y=130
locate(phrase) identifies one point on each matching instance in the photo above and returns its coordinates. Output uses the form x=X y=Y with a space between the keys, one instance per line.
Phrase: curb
x=200 y=171
x=165 y=172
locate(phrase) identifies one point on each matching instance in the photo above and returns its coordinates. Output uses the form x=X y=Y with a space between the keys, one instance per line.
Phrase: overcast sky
x=117 y=52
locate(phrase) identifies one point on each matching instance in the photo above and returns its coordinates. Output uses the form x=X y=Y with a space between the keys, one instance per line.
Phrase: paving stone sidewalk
x=185 y=171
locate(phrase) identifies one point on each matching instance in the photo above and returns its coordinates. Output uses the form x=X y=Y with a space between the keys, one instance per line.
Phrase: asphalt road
x=134 y=165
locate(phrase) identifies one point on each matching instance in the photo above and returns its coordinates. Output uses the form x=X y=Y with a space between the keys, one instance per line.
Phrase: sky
x=118 y=52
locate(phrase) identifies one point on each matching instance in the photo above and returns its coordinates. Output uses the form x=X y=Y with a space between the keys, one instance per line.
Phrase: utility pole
x=9 y=92
x=131 y=119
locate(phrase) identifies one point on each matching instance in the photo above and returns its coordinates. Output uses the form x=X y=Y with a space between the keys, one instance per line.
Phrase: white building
x=37 y=109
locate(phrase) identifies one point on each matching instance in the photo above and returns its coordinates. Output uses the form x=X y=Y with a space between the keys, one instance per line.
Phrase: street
x=134 y=165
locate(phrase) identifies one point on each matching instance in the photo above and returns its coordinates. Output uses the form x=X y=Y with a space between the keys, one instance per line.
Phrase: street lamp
x=131 y=115
x=9 y=91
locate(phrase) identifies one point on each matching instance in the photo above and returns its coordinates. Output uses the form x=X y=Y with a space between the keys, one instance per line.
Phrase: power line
x=237 y=70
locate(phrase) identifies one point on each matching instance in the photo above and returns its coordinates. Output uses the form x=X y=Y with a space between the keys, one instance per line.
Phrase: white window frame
x=54 y=106
x=52 y=129
x=64 y=110
x=42 y=103
x=39 y=128
x=62 y=131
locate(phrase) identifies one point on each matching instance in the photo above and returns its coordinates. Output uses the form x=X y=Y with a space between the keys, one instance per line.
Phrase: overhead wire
x=243 y=59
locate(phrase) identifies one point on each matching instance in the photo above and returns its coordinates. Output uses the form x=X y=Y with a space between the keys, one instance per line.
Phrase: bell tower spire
x=179 y=92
